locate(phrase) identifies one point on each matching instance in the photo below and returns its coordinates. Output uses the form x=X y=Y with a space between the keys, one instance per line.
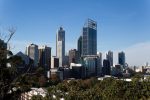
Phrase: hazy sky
x=123 y=25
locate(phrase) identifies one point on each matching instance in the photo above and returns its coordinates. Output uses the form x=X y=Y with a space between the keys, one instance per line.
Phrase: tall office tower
x=121 y=58
x=109 y=57
x=99 y=54
x=45 y=57
x=106 y=67
x=89 y=38
x=60 y=46
x=66 y=60
x=32 y=52
x=79 y=46
x=99 y=63
x=73 y=56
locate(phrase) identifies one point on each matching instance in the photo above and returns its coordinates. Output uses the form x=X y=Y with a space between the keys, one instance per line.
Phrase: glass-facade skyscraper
x=109 y=57
x=45 y=57
x=89 y=38
x=79 y=46
x=121 y=58
x=60 y=46
x=106 y=67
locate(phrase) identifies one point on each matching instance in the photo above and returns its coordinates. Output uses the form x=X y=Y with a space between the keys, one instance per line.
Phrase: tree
x=37 y=97
x=39 y=71
x=8 y=75
x=54 y=79
x=42 y=81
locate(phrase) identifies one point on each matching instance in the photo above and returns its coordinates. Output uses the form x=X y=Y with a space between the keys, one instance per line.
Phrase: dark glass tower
x=89 y=38
x=121 y=58
x=106 y=67
x=109 y=57
x=80 y=46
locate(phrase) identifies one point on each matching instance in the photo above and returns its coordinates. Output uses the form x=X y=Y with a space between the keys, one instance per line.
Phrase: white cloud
x=138 y=54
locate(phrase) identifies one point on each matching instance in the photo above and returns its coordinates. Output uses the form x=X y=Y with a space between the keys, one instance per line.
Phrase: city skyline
x=122 y=25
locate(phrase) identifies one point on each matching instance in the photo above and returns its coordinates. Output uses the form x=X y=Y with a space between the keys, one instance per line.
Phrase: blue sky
x=122 y=24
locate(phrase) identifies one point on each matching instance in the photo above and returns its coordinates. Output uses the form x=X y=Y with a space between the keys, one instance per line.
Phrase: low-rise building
x=57 y=72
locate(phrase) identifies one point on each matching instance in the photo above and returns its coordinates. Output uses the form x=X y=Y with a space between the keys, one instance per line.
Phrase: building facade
x=89 y=38
x=121 y=58
x=54 y=62
x=77 y=71
x=60 y=46
x=33 y=53
x=99 y=64
x=24 y=57
x=45 y=57
x=79 y=46
x=90 y=63
x=109 y=57
x=106 y=67
x=73 y=56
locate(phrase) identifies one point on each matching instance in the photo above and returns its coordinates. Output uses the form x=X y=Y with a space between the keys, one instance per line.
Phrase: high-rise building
x=32 y=52
x=90 y=63
x=89 y=38
x=106 y=67
x=80 y=46
x=121 y=58
x=73 y=56
x=66 y=60
x=99 y=64
x=54 y=62
x=45 y=57
x=60 y=46
x=109 y=57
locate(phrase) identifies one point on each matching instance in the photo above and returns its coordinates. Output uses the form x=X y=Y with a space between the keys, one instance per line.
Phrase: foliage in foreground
x=92 y=89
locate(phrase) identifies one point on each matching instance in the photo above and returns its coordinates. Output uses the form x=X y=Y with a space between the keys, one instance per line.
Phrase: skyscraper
x=121 y=58
x=32 y=52
x=109 y=57
x=45 y=57
x=99 y=63
x=79 y=46
x=73 y=56
x=89 y=38
x=60 y=46
x=90 y=63
x=106 y=67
